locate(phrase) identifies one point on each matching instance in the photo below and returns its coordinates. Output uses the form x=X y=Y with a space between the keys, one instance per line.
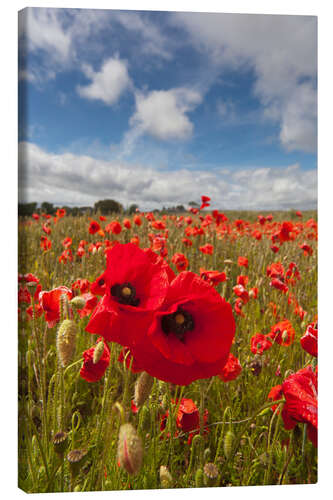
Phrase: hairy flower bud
x=228 y=442
x=78 y=302
x=165 y=477
x=142 y=388
x=66 y=337
x=130 y=449
x=98 y=352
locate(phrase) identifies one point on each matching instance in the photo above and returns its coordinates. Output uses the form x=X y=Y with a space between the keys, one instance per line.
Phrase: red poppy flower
x=193 y=210
x=81 y=284
x=243 y=261
x=260 y=343
x=187 y=242
x=187 y=419
x=275 y=394
x=279 y=285
x=300 y=392
x=309 y=341
x=204 y=200
x=307 y=250
x=67 y=242
x=46 y=229
x=191 y=334
x=238 y=307
x=137 y=220
x=253 y=293
x=275 y=248
x=102 y=218
x=282 y=333
x=231 y=369
x=94 y=227
x=275 y=270
x=45 y=243
x=136 y=282
x=212 y=277
x=207 y=249
x=90 y=371
x=61 y=212
x=242 y=280
x=127 y=223
x=180 y=261
x=50 y=302
x=35 y=216
x=114 y=227
x=240 y=291
x=38 y=311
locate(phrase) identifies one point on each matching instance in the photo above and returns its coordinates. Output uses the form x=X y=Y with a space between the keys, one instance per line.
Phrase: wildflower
x=212 y=277
x=93 y=368
x=243 y=261
x=114 y=227
x=260 y=343
x=300 y=392
x=231 y=369
x=190 y=335
x=50 y=302
x=136 y=282
x=180 y=261
x=282 y=333
x=309 y=341
x=94 y=227
x=207 y=249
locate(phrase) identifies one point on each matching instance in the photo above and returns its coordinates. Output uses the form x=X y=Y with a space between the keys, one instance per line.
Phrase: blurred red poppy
x=180 y=261
x=309 y=341
x=282 y=333
x=94 y=227
x=231 y=369
x=243 y=261
x=212 y=277
x=260 y=343
x=207 y=249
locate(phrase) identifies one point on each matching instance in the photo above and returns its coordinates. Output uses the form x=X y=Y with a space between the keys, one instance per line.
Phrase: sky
x=158 y=108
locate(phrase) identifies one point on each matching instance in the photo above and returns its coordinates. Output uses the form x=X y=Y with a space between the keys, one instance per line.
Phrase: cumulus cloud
x=282 y=51
x=68 y=179
x=162 y=113
x=107 y=84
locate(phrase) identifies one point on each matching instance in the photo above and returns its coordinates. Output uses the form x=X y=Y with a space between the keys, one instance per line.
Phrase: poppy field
x=160 y=350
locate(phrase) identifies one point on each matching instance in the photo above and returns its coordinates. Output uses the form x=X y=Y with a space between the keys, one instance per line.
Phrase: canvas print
x=167 y=287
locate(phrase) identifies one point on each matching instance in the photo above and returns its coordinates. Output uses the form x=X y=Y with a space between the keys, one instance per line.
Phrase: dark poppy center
x=178 y=323
x=125 y=294
x=101 y=282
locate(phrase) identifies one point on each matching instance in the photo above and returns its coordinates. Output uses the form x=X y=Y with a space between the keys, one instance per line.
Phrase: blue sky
x=158 y=108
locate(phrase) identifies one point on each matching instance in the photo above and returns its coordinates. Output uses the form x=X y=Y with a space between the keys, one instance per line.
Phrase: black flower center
x=101 y=282
x=125 y=294
x=178 y=323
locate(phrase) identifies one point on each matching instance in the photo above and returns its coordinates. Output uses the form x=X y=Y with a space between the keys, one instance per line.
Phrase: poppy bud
x=130 y=450
x=31 y=286
x=142 y=388
x=165 y=477
x=78 y=302
x=211 y=474
x=228 y=442
x=76 y=460
x=60 y=441
x=285 y=336
x=66 y=337
x=199 y=478
x=98 y=352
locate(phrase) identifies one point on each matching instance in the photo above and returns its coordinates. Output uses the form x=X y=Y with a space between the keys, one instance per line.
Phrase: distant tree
x=47 y=208
x=133 y=208
x=27 y=209
x=193 y=204
x=108 y=206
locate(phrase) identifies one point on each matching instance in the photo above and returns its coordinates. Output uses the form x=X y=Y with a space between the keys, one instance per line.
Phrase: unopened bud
x=130 y=450
x=142 y=388
x=66 y=337
x=31 y=286
x=211 y=474
x=98 y=352
x=199 y=478
x=228 y=442
x=165 y=477
x=78 y=302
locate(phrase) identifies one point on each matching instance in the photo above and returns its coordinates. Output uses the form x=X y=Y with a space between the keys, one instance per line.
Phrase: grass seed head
x=66 y=338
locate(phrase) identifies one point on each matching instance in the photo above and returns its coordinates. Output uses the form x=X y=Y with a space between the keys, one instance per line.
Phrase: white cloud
x=76 y=179
x=162 y=113
x=107 y=84
x=282 y=51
